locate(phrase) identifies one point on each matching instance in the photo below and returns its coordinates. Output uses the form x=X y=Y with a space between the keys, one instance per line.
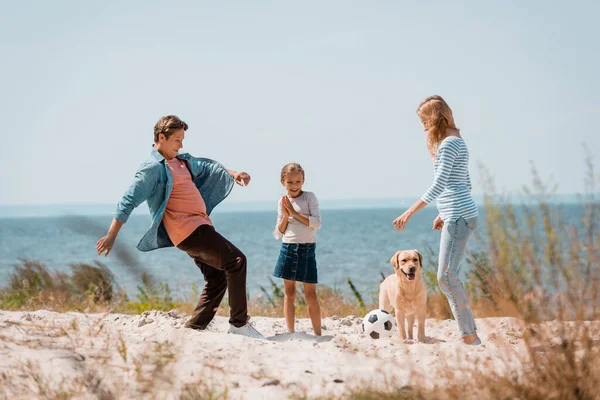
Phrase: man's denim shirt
x=153 y=183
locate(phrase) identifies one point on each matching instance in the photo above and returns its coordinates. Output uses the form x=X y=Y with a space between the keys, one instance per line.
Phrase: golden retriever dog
x=406 y=292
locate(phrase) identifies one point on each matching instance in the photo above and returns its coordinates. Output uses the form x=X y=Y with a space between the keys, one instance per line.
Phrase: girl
x=458 y=212
x=298 y=218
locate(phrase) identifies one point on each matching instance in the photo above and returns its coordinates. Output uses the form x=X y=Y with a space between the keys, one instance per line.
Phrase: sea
x=355 y=244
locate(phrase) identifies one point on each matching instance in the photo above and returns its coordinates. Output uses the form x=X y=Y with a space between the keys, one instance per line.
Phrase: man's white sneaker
x=246 y=330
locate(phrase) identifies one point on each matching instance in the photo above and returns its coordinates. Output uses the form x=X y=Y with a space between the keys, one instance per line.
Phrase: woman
x=458 y=213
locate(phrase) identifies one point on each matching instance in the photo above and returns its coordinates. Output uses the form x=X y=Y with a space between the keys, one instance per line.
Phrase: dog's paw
x=409 y=341
x=423 y=339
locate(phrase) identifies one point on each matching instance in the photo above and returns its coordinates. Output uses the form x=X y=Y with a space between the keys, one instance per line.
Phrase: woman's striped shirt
x=452 y=183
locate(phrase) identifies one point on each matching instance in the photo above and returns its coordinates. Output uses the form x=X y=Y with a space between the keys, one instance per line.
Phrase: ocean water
x=355 y=244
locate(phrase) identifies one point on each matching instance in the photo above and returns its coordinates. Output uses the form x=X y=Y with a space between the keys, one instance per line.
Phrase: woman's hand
x=400 y=222
x=438 y=224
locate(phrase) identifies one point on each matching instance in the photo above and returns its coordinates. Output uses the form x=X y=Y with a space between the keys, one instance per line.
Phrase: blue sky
x=332 y=85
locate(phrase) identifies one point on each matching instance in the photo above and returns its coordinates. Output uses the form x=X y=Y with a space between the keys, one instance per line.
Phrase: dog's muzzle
x=411 y=274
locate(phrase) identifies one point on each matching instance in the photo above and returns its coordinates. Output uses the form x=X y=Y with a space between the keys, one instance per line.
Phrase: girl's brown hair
x=437 y=116
x=291 y=167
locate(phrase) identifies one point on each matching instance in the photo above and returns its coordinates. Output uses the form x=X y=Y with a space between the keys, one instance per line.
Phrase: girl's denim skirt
x=297 y=262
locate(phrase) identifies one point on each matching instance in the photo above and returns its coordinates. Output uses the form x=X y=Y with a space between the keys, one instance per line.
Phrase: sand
x=154 y=356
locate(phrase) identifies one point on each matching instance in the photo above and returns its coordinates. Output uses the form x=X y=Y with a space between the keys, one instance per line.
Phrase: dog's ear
x=394 y=260
x=420 y=258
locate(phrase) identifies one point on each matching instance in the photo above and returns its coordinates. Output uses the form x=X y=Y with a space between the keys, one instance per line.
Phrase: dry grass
x=91 y=288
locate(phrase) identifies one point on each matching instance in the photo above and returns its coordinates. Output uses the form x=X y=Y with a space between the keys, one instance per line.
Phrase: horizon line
x=105 y=209
x=321 y=200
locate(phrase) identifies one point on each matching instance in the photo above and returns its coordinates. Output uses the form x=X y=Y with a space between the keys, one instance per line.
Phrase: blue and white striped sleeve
x=447 y=153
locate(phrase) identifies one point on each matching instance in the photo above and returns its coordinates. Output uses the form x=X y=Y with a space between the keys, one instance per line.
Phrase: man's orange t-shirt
x=186 y=209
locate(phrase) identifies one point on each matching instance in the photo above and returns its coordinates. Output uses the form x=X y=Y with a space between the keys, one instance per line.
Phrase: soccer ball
x=378 y=324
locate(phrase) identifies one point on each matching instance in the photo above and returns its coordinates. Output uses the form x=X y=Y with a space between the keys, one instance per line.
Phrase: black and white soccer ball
x=378 y=324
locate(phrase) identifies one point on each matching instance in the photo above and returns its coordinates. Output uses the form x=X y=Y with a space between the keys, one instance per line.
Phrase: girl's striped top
x=452 y=183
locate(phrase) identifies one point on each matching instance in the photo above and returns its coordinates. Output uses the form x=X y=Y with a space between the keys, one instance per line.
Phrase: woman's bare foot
x=471 y=339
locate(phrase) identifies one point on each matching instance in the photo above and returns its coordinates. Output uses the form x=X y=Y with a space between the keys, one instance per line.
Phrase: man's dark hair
x=167 y=125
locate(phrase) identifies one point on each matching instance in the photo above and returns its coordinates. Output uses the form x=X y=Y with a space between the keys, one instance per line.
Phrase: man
x=181 y=192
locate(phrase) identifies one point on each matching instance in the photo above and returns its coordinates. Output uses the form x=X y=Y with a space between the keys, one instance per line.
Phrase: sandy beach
x=152 y=355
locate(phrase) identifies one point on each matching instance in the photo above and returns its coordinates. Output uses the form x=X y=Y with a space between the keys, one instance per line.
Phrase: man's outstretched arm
x=143 y=184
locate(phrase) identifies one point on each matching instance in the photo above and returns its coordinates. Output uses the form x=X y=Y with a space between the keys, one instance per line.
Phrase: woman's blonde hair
x=291 y=167
x=437 y=115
